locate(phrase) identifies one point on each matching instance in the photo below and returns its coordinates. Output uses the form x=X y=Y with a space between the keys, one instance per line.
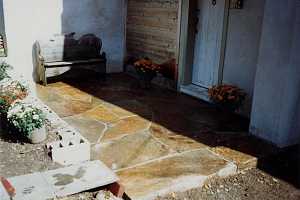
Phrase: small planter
x=227 y=98
x=28 y=120
x=38 y=135
x=146 y=70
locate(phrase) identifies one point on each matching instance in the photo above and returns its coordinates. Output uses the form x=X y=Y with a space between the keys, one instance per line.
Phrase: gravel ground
x=252 y=184
x=19 y=157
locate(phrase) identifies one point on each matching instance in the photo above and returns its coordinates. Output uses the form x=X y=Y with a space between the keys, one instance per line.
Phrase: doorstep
x=195 y=91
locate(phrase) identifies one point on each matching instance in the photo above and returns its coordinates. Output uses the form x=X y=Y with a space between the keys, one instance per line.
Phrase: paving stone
x=126 y=126
x=73 y=93
x=102 y=114
x=241 y=159
x=177 y=173
x=127 y=108
x=63 y=104
x=58 y=85
x=78 y=178
x=64 y=107
x=91 y=129
x=175 y=141
x=129 y=150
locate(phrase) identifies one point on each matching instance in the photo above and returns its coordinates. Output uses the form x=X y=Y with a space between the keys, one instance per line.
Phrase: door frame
x=187 y=41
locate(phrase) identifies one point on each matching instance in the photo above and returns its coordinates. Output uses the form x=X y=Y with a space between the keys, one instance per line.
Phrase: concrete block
x=71 y=149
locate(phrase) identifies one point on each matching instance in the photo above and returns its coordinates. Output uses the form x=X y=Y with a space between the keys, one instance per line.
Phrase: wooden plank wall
x=152 y=29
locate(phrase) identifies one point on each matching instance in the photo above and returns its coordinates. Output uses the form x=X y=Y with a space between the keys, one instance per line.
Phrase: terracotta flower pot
x=38 y=135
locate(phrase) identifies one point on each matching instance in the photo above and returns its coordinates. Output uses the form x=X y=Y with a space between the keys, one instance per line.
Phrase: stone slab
x=61 y=182
x=79 y=178
x=176 y=173
x=29 y=187
x=102 y=114
x=175 y=141
x=126 y=126
x=129 y=150
x=89 y=128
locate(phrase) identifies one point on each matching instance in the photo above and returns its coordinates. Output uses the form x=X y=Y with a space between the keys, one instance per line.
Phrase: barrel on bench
x=65 y=51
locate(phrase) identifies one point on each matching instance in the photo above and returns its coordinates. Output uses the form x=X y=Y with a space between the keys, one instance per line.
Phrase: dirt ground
x=252 y=184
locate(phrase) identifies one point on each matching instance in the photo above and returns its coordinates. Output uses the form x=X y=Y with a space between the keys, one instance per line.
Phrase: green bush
x=3 y=70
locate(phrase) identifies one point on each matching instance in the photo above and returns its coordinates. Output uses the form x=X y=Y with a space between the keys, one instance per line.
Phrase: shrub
x=3 y=70
x=9 y=93
x=25 y=118
x=5 y=101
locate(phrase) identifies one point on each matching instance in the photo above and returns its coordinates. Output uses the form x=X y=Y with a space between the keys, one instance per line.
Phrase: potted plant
x=28 y=120
x=146 y=71
x=227 y=96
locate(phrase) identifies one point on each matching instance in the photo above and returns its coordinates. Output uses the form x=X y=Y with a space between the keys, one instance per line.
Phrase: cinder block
x=70 y=150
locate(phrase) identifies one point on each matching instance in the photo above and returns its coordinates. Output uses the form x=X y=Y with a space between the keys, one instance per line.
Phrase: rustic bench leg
x=44 y=78
x=105 y=70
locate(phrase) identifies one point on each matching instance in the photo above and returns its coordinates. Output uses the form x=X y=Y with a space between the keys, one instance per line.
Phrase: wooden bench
x=65 y=51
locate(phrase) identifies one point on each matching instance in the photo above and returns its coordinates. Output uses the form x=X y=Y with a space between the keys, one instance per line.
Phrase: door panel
x=208 y=42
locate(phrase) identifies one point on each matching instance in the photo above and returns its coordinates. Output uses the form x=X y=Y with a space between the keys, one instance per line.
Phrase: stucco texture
x=31 y=20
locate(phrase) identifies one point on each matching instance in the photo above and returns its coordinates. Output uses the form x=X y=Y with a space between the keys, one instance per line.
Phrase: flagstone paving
x=130 y=150
x=157 y=140
x=176 y=173
x=91 y=129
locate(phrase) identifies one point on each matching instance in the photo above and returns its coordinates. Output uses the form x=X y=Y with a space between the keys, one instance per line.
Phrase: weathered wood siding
x=152 y=29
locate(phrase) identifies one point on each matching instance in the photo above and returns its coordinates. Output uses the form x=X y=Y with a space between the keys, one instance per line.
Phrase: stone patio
x=156 y=140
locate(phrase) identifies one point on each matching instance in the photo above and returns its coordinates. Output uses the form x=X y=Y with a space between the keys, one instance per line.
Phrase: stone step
x=177 y=173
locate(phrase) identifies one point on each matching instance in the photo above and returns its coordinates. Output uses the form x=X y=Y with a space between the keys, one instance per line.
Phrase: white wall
x=276 y=102
x=30 y=20
x=242 y=47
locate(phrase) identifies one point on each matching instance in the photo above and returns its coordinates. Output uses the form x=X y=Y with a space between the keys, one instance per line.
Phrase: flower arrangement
x=229 y=96
x=146 y=65
x=147 y=70
x=3 y=70
x=25 y=118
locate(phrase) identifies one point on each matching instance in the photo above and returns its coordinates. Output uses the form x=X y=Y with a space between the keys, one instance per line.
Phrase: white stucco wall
x=30 y=20
x=242 y=47
x=276 y=102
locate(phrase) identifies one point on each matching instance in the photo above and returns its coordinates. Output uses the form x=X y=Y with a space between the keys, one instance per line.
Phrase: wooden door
x=208 y=42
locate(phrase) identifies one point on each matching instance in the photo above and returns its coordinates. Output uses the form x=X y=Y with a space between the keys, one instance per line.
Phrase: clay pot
x=38 y=135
